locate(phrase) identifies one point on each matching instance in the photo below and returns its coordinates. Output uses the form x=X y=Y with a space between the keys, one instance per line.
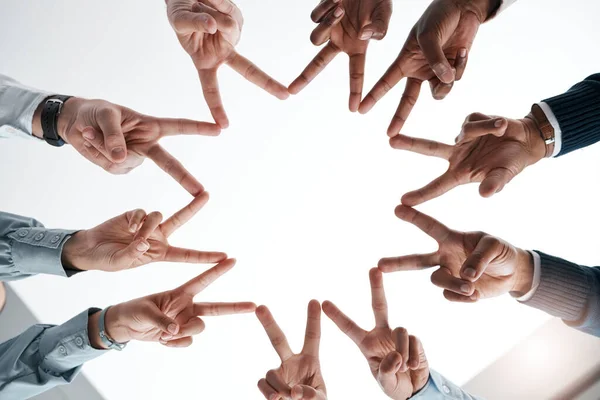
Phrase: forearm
x=45 y=356
x=18 y=104
x=440 y=388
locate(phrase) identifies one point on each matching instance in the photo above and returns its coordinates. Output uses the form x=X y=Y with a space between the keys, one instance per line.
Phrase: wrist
x=524 y=274
x=72 y=251
x=535 y=141
x=94 y=331
x=65 y=120
x=113 y=326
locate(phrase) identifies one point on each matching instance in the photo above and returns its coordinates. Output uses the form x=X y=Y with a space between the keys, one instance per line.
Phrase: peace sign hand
x=473 y=265
x=397 y=360
x=348 y=25
x=490 y=150
x=134 y=239
x=209 y=30
x=299 y=375
x=171 y=317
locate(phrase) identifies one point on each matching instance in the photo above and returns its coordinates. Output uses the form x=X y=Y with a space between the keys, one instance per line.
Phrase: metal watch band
x=545 y=127
x=50 y=112
x=106 y=340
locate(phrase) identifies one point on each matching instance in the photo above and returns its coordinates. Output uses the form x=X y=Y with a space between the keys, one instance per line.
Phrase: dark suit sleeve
x=569 y=291
x=578 y=114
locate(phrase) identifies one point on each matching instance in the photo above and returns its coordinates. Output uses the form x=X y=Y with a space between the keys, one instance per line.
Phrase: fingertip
x=261 y=311
x=487 y=190
x=366 y=105
x=444 y=72
x=408 y=200
x=283 y=95
x=118 y=155
x=142 y=246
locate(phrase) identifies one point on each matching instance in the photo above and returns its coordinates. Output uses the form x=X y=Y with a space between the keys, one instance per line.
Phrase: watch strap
x=106 y=340
x=50 y=112
x=546 y=129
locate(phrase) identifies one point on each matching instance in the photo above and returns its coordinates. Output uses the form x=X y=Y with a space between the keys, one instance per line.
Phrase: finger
x=460 y=63
x=160 y=320
x=178 y=343
x=486 y=251
x=430 y=226
x=421 y=146
x=255 y=75
x=432 y=50
x=495 y=181
x=459 y=298
x=324 y=8
x=322 y=32
x=344 y=323
x=436 y=188
x=443 y=278
x=312 y=338
x=267 y=390
x=412 y=262
x=491 y=126
x=184 y=215
x=224 y=22
x=124 y=258
x=357 y=79
x=109 y=122
x=304 y=392
x=389 y=367
x=165 y=161
x=225 y=6
x=414 y=352
x=193 y=327
x=186 y=22
x=278 y=384
x=149 y=225
x=135 y=219
x=180 y=126
x=202 y=281
x=391 y=77
x=380 y=21
x=314 y=68
x=189 y=256
x=407 y=103
x=440 y=90
x=275 y=334
x=212 y=95
x=378 y=300
x=218 y=309
x=400 y=336
x=95 y=138
x=92 y=154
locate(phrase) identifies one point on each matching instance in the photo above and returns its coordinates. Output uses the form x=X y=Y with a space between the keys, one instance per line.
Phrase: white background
x=302 y=191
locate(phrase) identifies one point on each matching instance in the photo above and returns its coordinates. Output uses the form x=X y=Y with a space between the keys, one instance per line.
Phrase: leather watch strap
x=50 y=112
x=546 y=130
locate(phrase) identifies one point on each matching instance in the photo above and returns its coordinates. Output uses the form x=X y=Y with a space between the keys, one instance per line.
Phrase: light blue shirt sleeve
x=28 y=249
x=440 y=388
x=45 y=356
x=17 y=106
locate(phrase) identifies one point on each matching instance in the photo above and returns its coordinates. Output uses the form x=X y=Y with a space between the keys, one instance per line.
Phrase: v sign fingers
x=204 y=280
x=184 y=215
x=274 y=332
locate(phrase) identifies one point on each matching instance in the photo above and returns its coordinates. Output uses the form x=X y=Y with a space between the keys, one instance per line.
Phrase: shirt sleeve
x=504 y=4
x=575 y=116
x=537 y=266
x=570 y=292
x=27 y=248
x=17 y=106
x=45 y=356
x=440 y=388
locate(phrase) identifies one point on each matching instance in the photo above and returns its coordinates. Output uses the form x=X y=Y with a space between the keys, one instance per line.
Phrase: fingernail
x=142 y=246
x=89 y=135
x=172 y=328
x=133 y=228
x=117 y=152
x=338 y=12
x=498 y=123
x=166 y=337
x=87 y=144
x=462 y=52
x=474 y=296
x=469 y=272
x=367 y=34
x=162 y=341
x=465 y=288
x=443 y=73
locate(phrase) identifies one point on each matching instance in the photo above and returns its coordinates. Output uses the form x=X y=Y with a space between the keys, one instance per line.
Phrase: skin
x=299 y=375
x=397 y=360
x=490 y=150
x=119 y=139
x=2 y=296
x=472 y=265
x=171 y=317
x=436 y=50
x=346 y=26
x=209 y=30
x=134 y=239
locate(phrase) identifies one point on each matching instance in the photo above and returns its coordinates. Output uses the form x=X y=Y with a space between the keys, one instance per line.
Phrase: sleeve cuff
x=20 y=103
x=555 y=125
x=438 y=387
x=38 y=251
x=536 y=277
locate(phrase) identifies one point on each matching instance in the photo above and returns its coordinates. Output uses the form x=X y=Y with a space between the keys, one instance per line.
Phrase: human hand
x=397 y=360
x=119 y=139
x=134 y=239
x=490 y=150
x=348 y=25
x=299 y=375
x=171 y=317
x=209 y=30
x=436 y=50
x=473 y=265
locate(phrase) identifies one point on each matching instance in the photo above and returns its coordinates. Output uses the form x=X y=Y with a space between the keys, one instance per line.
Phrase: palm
x=302 y=369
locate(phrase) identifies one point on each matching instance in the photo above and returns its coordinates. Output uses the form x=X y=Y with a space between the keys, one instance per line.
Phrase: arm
x=440 y=388
x=18 y=103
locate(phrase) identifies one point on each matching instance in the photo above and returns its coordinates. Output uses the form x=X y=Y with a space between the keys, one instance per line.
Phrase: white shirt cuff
x=17 y=106
x=554 y=122
x=537 y=267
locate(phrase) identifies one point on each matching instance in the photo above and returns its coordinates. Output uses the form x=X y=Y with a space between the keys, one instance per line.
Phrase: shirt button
x=55 y=239
x=79 y=341
x=39 y=236
x=62 y=350
x=23 y=232
x=446 y=389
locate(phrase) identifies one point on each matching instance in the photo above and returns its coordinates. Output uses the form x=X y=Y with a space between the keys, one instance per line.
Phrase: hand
x=436 y=50
x=134 y=239
x=348 y=25
x=397 y=360
x=209 y=30
x=171 y=317
x=119 y=139
x=299 y=375
x=492 y=151
x=473 y=265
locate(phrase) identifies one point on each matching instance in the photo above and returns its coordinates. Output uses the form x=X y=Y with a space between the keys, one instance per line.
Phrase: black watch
x=52 y=108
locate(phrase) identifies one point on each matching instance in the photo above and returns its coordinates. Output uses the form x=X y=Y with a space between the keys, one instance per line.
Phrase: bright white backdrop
x=303 y=192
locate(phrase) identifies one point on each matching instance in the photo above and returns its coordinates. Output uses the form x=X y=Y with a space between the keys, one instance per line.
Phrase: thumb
x=380 y=21
x=389 y=367
x=432 y=50
x=303 y=392
x=186 y=22
x=123 y=259
x=157 y=318
x=495 y=181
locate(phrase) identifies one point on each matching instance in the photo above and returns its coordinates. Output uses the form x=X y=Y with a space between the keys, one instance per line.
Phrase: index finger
x=180 y=126
x=212 y=95
x=357 y=79
x=204 y=280
x=274 y=332
x=314 y=68
x=422 y=146
x=184 y=215
x=345 y=324
x=171 y=166
x=217 y=309
x=439 y=186
x=429 y=225
x=379 y=302
x=312 y=338
x=257 y=76
x=391 y=77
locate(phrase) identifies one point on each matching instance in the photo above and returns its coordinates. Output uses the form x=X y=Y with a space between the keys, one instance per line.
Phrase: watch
x=546 y=130
x=106 y=340
x=50 y=112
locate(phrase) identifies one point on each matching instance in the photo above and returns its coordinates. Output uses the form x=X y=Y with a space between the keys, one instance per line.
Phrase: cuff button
x=446 y=389
x=79 y=341
x=55 y=239
x=22 y=233
x=39 y=236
